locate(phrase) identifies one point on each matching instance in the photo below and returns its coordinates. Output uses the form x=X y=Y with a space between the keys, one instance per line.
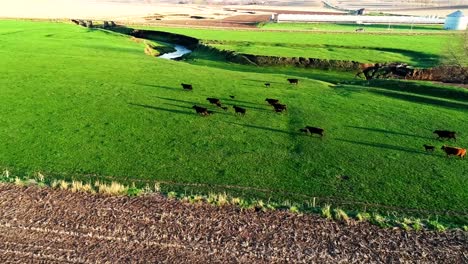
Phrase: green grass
x=83 y=104
x=422 y=50
x=352 y=27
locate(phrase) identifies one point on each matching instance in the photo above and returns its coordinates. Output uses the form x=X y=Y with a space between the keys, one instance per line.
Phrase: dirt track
x=44 y=225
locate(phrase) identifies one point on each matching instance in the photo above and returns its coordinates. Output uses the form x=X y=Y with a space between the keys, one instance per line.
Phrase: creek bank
x=448 y=74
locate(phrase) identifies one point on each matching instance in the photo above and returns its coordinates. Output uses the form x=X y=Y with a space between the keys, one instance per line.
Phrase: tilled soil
x=52 y=226
x=239 y=21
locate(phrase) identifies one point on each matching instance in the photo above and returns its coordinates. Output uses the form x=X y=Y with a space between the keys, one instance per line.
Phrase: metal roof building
x=456 y=21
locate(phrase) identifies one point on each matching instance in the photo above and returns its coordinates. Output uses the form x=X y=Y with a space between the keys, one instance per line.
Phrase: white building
x=456 y=21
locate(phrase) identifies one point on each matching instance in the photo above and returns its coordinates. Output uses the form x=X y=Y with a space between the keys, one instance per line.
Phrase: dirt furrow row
x=84 y=227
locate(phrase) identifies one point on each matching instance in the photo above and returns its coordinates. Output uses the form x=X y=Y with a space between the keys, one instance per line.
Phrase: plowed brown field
x=52 y=226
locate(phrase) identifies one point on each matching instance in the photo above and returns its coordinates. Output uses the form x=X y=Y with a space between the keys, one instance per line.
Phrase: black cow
x=429 y=147
x=187 y=86
x=272 y=101
x=239 y=110
x=280 y=107
x=214 y=101
x=313 y=130
x=267 y=85
x=441 y=134
x=232 y=96
x=293 y=81
x=202 y=110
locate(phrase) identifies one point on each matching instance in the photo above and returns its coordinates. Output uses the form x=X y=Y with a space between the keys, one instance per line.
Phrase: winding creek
x=180 y=51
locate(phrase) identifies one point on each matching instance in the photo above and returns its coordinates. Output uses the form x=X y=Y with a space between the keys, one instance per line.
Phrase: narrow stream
x=180 y=51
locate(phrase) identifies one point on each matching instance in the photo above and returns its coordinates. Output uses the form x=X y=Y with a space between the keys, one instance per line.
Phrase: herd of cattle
x=444 y=134
x=279 y=108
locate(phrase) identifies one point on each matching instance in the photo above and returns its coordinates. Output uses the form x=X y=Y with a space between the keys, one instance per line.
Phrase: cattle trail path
x=53 y=226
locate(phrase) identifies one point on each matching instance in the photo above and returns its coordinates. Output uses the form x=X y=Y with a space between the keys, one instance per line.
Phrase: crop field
x=388 y=28
x=424 y=50
x=88 y=104
x=154 y=229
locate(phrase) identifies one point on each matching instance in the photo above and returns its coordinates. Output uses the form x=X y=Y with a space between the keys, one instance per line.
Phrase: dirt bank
x=59 y=226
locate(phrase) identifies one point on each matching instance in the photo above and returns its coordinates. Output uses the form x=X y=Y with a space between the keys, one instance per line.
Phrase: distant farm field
x=388 y=28
x=89 y=104
x=423 y=50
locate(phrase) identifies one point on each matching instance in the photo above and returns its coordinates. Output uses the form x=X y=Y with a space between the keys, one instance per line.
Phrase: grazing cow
x=293 y=81
x=232 y=96
x=429 y=148
x=280 y=107
x=441 y=134
x=312 y=130
x=460 y=152
x=272 y=101
x=267 y=85
x=201 y=110
x=214 y=101
x=239 y=110
x=187 y=86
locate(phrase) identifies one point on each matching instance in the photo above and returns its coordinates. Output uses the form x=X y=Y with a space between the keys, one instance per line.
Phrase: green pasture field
x=389 y=28
x=421 y=50
x=87 y=104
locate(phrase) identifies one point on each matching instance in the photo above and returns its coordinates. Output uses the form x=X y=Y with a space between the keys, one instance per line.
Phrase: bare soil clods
x=58 y=226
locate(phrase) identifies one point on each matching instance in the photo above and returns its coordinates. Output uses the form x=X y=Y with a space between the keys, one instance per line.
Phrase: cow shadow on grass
x=178 y=100
x=263 y=82
x=157 y=108
x=160 y=87
x=385 y=146
x=389 y=132
x=236 y=101
x=423 y=100
x=266 y=128
x=252 y=107
x=215 y=110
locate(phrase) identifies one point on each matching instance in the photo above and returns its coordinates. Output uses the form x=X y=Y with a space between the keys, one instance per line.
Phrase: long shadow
x=263 y=81
x=458 y=94
x=389 y=132
x=160 y=86
x=234 y=101
x=180 y=106
x=177 y=100
x=385 y=146
x=163 y=109
x=216 y=111
x=266 y=128
x=420 y=99
x=253 y=107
